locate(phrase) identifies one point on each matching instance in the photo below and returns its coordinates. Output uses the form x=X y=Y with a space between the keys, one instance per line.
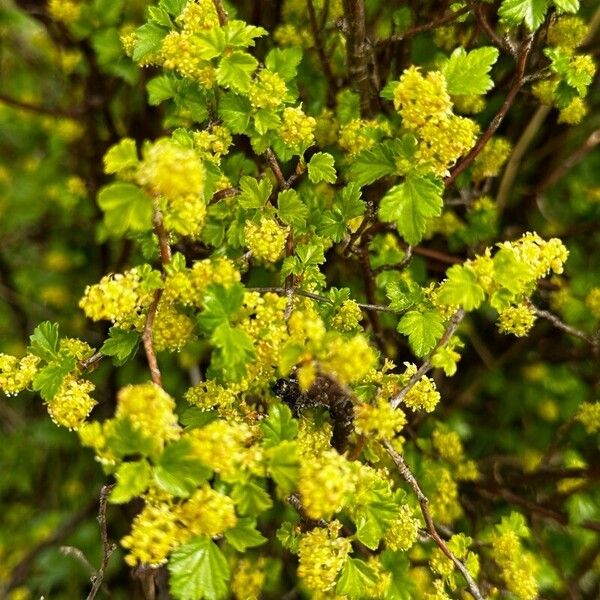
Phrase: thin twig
x=426 y=366
x=221 y=12
x=274 y=164
x=399 y=266
x=544 y=314
x=516 y=84
x=434 y=24
x=298 y=292
x=502 y=43
x=320 y=48
x=408 y=476
x=107 y=547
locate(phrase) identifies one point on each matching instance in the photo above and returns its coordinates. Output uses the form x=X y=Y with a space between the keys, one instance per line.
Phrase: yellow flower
x=517 y=320
x=266 y=240
x=15 y=374
x=207 y=512
x=72 y=403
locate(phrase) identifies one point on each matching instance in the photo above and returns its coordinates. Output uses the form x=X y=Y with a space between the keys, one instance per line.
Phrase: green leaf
x=566 y=6
x=44 y=341
x=371 y=165
x=250 y=498
x=177 y=471
x=284 y=62
x=47 y=381
x=126 y=208
x=357 y=576
x=158 y=15
x=511 y=272
x=198 y=570
x=469 y=72
x=411 y=203
x=121 y=345
x=149 y=40
x=233 y=351
x=255 y=192
x=173 y=7
x=291 y=210
x=193 y=417
x=349 y=202
x=235 y=111
x=289 y=537
x=321 y=168
x=240 y=34
x=423 y=329
x=132 y=479
x=265 y=120
x=373 y=519
x=284 y=465
x=279 y=426
x=124 y=439
x=245 y=535
x=235 y=71
x=161 y=88
x=121 y=156
x=461 y=288
x=403 y=294
x=220 y=305
x=211 y=43
x=515 y=12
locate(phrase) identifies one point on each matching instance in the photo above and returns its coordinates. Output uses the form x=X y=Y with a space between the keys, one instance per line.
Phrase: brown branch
x=515 y=86
x=426 y=366
x=408 y=476
x=544 y=314
x=399 y=266
x=165 y=256
x=503 y=44
x=107 y=547
x=221 y=12
x=57 y=113
x=320 y=48
x=434 y=24
x=276 y=168
x=226 y=193
x=359 y=54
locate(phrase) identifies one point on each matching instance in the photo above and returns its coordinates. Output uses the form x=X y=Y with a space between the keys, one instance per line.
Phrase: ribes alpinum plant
x=308 y=293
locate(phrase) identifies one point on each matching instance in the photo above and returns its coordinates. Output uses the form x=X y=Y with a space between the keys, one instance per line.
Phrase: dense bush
x=317 y=284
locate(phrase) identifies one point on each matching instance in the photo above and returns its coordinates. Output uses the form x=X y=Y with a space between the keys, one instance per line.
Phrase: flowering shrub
x=305 y=227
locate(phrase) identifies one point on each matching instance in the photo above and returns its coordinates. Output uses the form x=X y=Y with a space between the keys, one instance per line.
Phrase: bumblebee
x=324 y=392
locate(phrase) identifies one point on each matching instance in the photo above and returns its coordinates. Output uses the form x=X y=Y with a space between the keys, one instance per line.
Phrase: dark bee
x=323 y=392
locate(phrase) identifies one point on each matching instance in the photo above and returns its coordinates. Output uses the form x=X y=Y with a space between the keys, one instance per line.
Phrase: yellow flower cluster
x=64 y=11
x=212 y=143
x=491 y=159
x=313 y=439
x=154 y=533
x=440 y=563
x=290 y=36
x=266 y=240
x=322 y=555
x=589 y=415
x=120 y=298
x=348 y=316
x=423 y=395
x=248 y=578
x=264 y=323
x=207 y=512
x=567 y=32
x=326 y=131
x=187 y=286
x=172 y=330
x=403 y=530
x=297 y=129
x=444 y=499
x=72 y=403
x=325 y=482
x=150 y=410
x=420 y=99
x=198 y=15
x=379 y=421
x=426 y=110
x=468 y=104
x=518 y=567
x=208 y=394
x=181 y=52
x=439 y=592
x=574 y=112
x=517 y=320
x=15 y=374
x=450 y=448
x=224 y=446
x=349 y=359
x=268 y=90
x=354 y=136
